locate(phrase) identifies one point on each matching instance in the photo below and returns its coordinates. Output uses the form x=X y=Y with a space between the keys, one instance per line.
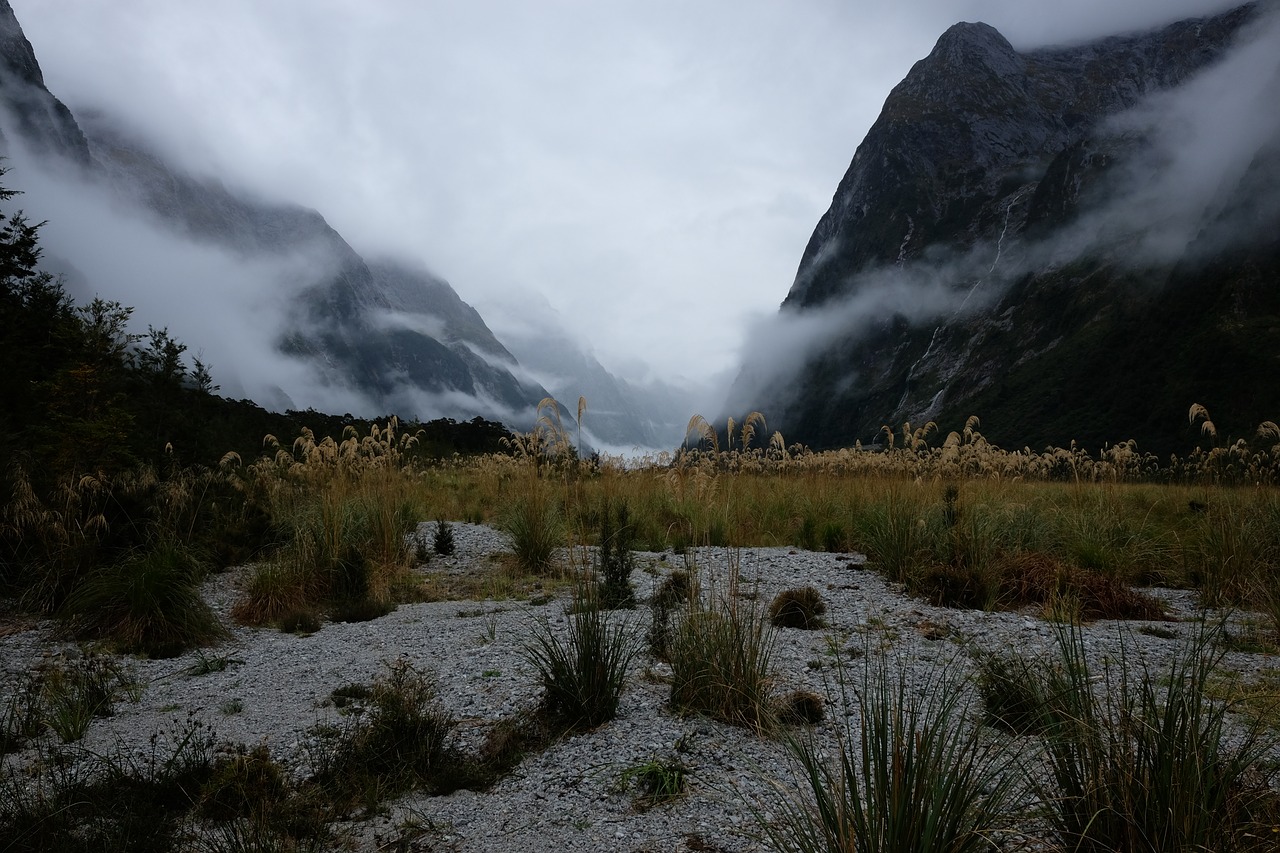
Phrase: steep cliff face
x=38 y=115
x=986 y=252
x=399 y=336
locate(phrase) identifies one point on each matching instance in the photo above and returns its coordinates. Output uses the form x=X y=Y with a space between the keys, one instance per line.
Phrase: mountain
x=391 y=333
x=1065 y=241
x=621 y=415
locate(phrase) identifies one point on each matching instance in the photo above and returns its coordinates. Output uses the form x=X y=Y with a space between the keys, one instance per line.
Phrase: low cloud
x=1196 y=176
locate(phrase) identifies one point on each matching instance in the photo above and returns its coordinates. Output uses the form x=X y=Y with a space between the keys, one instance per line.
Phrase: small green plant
x=657 y=781
x=442 y=541
x=231 y=706
x=802 y=607
x=616 y=560
x=584 y=672
x=206 y=663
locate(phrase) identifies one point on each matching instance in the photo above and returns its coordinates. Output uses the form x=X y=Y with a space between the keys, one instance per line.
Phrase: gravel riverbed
x=277 y=686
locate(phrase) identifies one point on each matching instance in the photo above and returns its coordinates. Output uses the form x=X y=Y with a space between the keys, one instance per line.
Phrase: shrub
x=802 y=608
x=910 y=775
x=442 y=541
x=584 y=673
x=616 y=560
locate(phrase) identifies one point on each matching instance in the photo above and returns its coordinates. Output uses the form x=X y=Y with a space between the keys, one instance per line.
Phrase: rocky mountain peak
x=976 y=255
x=975 y=45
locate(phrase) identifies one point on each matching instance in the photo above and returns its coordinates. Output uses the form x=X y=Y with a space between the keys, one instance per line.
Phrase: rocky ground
x=276 y=686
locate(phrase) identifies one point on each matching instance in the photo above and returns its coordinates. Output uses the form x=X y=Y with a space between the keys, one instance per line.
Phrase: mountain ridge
x=956 y=264
x=387 y=329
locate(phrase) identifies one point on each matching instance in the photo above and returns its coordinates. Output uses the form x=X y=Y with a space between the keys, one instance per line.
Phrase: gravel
x=276 y=686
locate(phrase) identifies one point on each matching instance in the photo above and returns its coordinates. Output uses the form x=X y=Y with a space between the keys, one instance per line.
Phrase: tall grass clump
x=148 y=602
x=911 y=773
x=531 y=519
x=1142 y=760
x=583 y=672
x=345 y=513
x=720 y=653
x=398 y=743
x=897 y=537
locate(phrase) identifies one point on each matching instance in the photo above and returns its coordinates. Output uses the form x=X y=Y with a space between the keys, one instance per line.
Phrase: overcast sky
x=654 y=168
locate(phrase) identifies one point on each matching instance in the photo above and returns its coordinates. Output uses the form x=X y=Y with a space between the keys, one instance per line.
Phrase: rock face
x=399 y=336
x=974 y=259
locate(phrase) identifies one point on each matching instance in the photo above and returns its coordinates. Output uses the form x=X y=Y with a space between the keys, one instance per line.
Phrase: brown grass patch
x=1031 y=578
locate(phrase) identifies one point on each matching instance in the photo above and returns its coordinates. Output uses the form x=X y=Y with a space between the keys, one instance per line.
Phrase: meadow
x=327 y=527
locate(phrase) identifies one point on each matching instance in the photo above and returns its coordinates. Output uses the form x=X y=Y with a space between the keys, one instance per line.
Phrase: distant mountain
x=621 y=415
x=1033 y=237
x=392 y=332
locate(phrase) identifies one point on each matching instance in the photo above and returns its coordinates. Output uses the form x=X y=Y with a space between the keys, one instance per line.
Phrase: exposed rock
x=949 y=225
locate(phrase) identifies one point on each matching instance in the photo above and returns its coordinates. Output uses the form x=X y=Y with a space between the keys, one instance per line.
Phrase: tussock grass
x=801 y=607
x=1143 y=760
x=584 y=672
x=148 y=602
x=910 y=774
x=720 y=652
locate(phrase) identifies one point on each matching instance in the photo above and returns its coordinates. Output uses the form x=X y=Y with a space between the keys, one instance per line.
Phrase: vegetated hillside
x=1061 y=241
x=394 y=333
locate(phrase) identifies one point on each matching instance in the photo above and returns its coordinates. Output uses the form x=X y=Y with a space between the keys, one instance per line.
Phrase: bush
x=802 y=607
x=442 y=540
x=583 y=674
